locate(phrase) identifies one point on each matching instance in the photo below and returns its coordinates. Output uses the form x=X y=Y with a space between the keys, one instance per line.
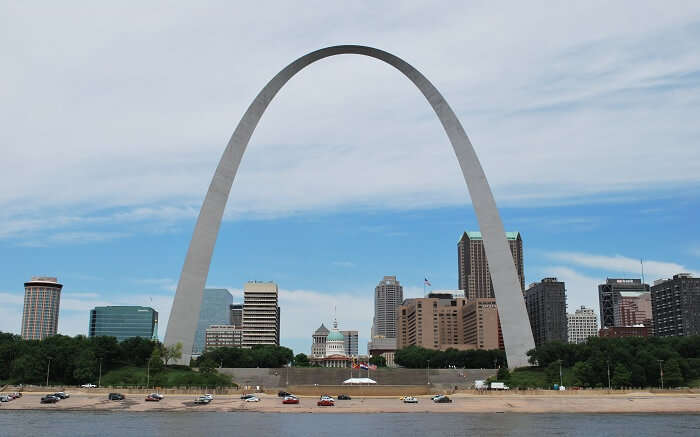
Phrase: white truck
x=480 y=384
x=499 y=386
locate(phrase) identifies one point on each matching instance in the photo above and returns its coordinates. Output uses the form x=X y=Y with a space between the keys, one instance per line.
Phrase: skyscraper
x=237 y=315
x=582 y=324
x=610 y=298
x=261 y=314
x=351 y=342
x=42 y=298
x=123 y=322
x=388 y=295
x=676 y=306
x=546 y=307
x=215 y=310
x=472 y=265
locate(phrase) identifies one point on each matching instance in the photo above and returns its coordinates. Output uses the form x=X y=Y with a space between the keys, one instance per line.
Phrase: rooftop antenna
x=641 y=261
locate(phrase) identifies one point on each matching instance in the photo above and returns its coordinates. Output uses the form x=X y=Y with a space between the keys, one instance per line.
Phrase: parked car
x=435 y=396
x=150 y=398
x=344 y=397
x=442 y=400
x=244 y=397
x=252 y=399
x=16 y=395
x=61 y=395
x=410 y=400
x=88 y=386
x=5 y=398
x=49 y=399
x=290 y=400
x=283 y=394
x=202 y=400
x=327 y=398
x=325 y=403
x=156 y=395
x=209 y=396
x=116 y=397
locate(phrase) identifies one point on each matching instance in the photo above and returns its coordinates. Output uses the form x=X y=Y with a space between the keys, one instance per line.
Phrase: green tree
x=672 y=374
x=86 y=367
x=552 y=373
x=207 y=367
x=621 y=376
x=301 y=360
x=503 y=374
x=172 y=352
x=378 y=361
x=155 y=363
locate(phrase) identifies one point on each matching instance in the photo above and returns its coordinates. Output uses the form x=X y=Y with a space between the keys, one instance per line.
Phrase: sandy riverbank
x=636 y=402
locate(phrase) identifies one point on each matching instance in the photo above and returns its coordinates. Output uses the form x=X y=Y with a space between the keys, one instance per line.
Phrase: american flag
x=426 y=282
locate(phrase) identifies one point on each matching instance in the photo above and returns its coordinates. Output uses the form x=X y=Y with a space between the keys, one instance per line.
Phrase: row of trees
x=415 y=357
x=257 y=356
x=622 y=362
x=71 y=360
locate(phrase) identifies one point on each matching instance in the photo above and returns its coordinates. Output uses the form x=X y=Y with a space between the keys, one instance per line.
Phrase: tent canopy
x=359 y=381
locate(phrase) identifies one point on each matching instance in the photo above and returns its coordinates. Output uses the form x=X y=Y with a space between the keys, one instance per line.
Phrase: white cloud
x=621 y=264
x=348 y=132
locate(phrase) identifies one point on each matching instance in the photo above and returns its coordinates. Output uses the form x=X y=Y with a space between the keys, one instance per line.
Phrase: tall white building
x=582 y=324
x=261 y=314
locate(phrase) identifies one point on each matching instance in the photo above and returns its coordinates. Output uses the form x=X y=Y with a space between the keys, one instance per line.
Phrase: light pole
x=661 y=372
x=427 y=371
x=561 y=381
x=148 y=372
x=48 y=368
x=99 y=379
x=609 y=386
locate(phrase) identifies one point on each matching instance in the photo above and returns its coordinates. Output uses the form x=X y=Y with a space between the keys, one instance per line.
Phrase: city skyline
x=110 y=210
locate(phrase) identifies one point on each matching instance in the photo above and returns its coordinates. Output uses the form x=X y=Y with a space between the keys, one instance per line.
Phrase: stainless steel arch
x=517 y=334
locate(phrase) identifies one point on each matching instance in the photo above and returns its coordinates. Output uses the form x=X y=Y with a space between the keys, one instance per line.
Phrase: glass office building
x=123 y=322
x=215 y=310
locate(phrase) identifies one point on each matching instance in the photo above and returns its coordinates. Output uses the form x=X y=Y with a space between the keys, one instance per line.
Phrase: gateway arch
x=517 y=334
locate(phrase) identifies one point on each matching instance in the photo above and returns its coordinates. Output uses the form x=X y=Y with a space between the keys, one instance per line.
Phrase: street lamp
x=561 y=381
x=661 y=372
x=148 y=372
x=48 y=368
x=609 y=386
x=99 y=379
x=428 y=371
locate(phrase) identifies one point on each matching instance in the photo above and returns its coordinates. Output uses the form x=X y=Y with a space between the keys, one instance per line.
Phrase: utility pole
x=48 y=368
x=99 y=379
x=148 y=372
x=609 y=386
x=661 y=372
x=561 y=381
x=428 y=372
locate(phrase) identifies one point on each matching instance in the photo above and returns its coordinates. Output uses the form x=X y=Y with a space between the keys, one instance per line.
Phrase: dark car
x=49 y=399
x=248 y=396
x=443 y=400
x=61 y=395
x=283 y=394
x=344 y=397
x=116 y=397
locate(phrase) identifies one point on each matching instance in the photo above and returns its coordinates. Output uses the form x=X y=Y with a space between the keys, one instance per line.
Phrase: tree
x=172 y=352
x=552 y=373
x=85 y=366
x=155 y=363
x=207 y=367
x=503 y=374
x=672 y=374
x=621 y=377
x=378 y=361
x=301 y=360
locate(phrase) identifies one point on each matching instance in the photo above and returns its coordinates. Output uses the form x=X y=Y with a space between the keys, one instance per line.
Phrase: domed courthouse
x=328 y=348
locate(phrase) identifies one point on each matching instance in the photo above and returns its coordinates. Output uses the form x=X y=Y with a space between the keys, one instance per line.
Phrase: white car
x=156 y=395
x=208 y=396
x=88 y=386
x=410 y=400
x=327 y=398
x=253 y=399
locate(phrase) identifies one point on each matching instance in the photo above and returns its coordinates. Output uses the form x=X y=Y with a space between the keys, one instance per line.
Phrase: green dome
x=335 y=336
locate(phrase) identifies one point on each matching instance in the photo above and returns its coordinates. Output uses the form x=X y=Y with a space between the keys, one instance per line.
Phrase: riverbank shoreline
x=631 y=402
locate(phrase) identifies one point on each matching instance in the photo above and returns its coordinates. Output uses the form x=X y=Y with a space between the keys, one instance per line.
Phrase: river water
x=199 y=424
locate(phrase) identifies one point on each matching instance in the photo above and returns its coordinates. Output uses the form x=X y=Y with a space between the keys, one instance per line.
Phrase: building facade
x=388 y=295
x=215 y=310
x=481 y=325
x=636 y=310
x=351 y=342
x=383 y=347
x=625 y=331
x=42 y=299
x=546 y=308
x=676 y=306
x=610 y=299
x=261 y=314
x=473 y=267
x=237 y=314
x=335 y=355
x=582 y=324
x=318 y=342
x=123 y=322
x=223 y=336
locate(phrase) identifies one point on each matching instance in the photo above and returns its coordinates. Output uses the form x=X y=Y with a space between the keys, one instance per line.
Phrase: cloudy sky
x=584 y=117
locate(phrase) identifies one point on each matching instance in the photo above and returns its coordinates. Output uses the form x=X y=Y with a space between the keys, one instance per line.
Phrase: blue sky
x=584 y=118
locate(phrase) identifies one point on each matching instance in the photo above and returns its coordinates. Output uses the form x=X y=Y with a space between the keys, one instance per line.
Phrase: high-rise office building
x=223 y=336
x=123 y=322
x=388 y=295
x=237 y=314
x=676 y=306
x=42 y=298
x=636 y=310
x=261 y=314
x=351 y=342
x=610 y=298
x=582 y=324
x=215 y=310
x=546 y=308
x=473 y=267
x=481 y=325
